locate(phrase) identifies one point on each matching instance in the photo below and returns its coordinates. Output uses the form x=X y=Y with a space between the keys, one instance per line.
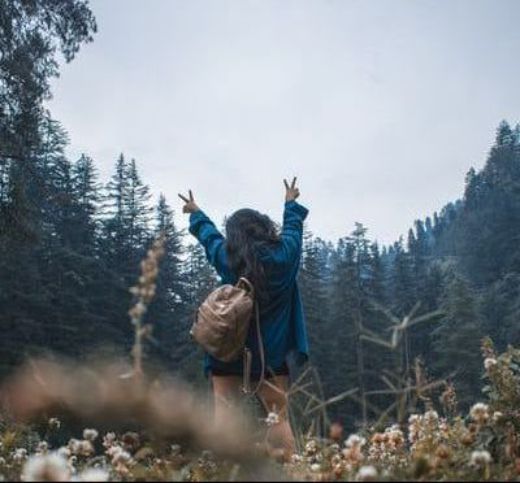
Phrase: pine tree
x=344 y=372
x=87 y=189
x=168 y=311
x=312 y=279
x=138 y=211
x=116 y=243
x=457 y=337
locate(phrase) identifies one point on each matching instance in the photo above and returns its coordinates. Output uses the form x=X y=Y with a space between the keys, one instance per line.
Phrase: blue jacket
x=281 y=318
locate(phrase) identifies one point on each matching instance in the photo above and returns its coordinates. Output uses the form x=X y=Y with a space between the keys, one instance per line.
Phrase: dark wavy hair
x=247 y=232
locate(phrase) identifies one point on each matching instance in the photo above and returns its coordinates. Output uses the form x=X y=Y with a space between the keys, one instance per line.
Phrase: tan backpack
x=222 y=324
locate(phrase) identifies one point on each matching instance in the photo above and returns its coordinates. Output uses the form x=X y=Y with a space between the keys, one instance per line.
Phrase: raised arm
x=207 y=234
x=292 y=229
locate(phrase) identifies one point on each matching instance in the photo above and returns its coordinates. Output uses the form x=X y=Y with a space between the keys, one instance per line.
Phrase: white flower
x=296 y=458
x=272 y=419
x=366 y=473
x=90 y=434
x=497 y=415
x=74 y=445
x=93 y=474
x=54 y=423
x=63 y=451
x=315 y=467
x=311 y=447
x=42 y=447
x=109 y=439
x=2 y=461
x=414 y=419
x=19 y=455
x=355 y=441
x=119 y=456
x=489 y=363
x=480 y=458
x=479 y=412
x=431 y=416
x=49 y=467
x=335 y=448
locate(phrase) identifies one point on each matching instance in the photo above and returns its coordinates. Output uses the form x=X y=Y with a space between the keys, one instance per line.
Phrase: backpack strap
x=248 y=358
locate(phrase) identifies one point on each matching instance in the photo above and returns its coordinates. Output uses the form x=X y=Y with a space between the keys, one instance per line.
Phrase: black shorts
x=269 y=373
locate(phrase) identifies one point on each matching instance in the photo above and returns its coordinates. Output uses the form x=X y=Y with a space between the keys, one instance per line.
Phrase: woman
x=253 y=249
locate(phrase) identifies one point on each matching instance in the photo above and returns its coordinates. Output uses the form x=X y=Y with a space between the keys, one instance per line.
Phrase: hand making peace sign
x=291 y=192
x=190 y=206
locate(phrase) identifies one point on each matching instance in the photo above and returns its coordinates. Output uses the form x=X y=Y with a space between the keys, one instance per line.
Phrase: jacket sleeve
x=292 y=232
x=211 y=239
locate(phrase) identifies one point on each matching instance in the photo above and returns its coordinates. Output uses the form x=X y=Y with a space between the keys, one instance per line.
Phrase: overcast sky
x=379 y=107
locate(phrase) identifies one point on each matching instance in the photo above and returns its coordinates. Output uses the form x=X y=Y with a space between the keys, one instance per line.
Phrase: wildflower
x=395 y=436
x=379 y=438
x=414 y=428
x=49 y=467
x=120 y=459
x=93 y=474
x=353 y=455
x=489 y=363
x=90 y=434
x=54 y=423
x=311 y=447
x=63 y=452
x=109 y=439
x=497 y=416
x=42 y=447
x=448 y=398
x=442 y=452
x=74 y=445
x=444 y=427
x=431 y=416
x=2 y=461
x=480 y=458
x=131 y=441
x=315 y=467
x=335 y=448
x=355 y=441
x=480 y=413
x=366 y=473
x=296 y=458
x=122 y=469
x=119 y=455
x=19 y=455
x=272 y=419
x=85 y=448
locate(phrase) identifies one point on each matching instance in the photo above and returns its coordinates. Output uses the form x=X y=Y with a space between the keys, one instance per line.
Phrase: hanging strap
x=248 y=358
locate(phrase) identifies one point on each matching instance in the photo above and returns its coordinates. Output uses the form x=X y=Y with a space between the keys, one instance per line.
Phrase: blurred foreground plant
x=144 y=293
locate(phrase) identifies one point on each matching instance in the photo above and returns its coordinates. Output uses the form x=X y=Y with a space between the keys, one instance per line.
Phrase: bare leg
x=273 y=395
x=226 y=392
